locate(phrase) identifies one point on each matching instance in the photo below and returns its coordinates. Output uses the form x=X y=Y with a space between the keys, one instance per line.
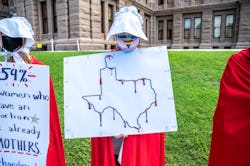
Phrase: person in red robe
x=230 y=141
x=16 y=38
x=137 y=150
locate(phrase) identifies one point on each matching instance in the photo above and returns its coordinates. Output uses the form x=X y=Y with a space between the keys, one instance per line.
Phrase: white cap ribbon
x=17 y=58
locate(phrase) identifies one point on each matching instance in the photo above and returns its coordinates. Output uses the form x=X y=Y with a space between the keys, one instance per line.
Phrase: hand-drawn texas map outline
x=125 y=121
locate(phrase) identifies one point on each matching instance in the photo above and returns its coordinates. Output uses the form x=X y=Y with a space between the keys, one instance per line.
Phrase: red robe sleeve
x=55 y=155
x=138 y=150
x=230 y=142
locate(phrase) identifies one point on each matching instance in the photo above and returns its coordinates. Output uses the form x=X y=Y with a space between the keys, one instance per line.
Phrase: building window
x=54 y=16
x=217 y=26
x=146 y=27
x=102 y=17
x=160 y=30
x=187 y=0
x=160 y=2
x=44 y=17
x=229 y=26
x=169 y=29
x=110 y=14
x=5 y=2
x=197 y=28
x=187 y=27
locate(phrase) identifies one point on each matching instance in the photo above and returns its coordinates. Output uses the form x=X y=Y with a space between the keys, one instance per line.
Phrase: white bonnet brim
x=127 y=20
x=18 y=27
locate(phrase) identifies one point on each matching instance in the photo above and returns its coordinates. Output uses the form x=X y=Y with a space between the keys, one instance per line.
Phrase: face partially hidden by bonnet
x=16 y=36
x=127 y=28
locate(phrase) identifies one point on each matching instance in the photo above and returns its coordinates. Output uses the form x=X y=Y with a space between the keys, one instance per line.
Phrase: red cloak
x=138 y=150
x=55 y=156
x=230 y=143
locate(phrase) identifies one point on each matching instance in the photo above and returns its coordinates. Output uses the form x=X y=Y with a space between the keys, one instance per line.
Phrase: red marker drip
x=100 y=115
x=143 y=81
x=121 y=81
x=111 y=69
x=135 y=85
x=31 y=75
x=100 y=81
x=113 y=114
x=155 y=103
x=108 y=56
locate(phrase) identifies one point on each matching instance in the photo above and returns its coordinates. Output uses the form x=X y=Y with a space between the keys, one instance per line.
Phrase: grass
x=195 y=76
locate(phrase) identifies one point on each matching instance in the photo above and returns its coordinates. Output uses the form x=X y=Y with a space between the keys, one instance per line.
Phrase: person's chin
x=128 y=50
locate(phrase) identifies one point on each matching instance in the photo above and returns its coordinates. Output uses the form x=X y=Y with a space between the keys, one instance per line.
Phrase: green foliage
x=195 y=76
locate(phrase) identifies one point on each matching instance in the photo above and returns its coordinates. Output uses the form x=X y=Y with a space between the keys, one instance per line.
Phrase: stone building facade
x=174 y=23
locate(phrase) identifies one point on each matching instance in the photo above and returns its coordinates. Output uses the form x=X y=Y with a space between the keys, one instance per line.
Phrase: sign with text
x=24 y=114
x=111 y=93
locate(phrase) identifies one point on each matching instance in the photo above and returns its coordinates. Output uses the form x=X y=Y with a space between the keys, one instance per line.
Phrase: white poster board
x=111 y=93
x=24 y=114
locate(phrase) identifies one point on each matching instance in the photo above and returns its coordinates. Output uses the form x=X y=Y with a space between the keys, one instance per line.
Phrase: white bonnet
x=127 y=20
x=18 y=27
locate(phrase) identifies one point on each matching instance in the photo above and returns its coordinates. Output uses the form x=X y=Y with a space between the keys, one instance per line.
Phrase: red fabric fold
x=102 y=152
x=138 y=150
x=55 y=156
x=230 y=142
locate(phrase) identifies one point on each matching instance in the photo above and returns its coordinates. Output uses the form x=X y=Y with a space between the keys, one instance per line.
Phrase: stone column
x=207 y=29
x=106 y=22
x=29 y=9
x=75 y=16
x=153 y=32
x=36 y=19
x=178 y=3
x=62 y=19
x=20 y=10
x=50 y=19
x=244 y=26
x=96 y=19
x=84 y=14
x=177 y=30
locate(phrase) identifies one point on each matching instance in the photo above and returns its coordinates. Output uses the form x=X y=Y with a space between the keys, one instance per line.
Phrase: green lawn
x=195 y=75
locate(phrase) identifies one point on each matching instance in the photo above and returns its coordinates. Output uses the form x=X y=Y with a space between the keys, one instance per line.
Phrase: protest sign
x=24 y=114
x=111 y=93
